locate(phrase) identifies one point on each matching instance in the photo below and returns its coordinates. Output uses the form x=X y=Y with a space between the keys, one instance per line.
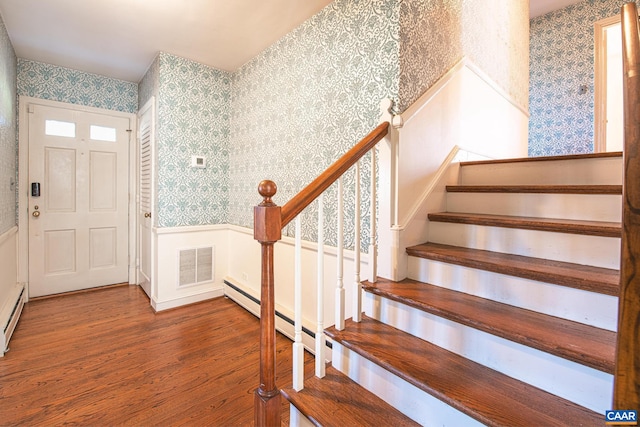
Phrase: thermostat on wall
x=198 y=162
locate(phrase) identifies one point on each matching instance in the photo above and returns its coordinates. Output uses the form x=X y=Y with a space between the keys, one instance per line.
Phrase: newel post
x=267 y=230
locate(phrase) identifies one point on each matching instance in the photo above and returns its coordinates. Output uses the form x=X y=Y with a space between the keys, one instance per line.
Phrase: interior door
x=78 y=201
x=614 y=102
x=145 y=191
x=608 y=102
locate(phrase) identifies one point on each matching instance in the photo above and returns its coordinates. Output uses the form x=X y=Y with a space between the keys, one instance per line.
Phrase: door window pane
x=101 y=133
x=58 y=128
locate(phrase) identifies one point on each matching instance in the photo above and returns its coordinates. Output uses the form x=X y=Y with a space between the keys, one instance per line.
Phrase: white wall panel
x=8 y=265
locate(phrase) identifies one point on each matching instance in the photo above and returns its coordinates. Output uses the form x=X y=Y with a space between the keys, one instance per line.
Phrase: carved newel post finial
x=267 y=190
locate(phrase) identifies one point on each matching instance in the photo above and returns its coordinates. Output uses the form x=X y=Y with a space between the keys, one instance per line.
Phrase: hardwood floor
x=105 y=358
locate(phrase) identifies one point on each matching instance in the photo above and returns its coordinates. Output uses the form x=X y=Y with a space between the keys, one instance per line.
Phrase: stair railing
x=627 y=372
x=269 y=220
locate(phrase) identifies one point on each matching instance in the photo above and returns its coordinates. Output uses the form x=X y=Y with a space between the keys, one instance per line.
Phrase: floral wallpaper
x=193 y=113
x=148 y=86
x=289 y=112
x=46 y=81
x=562 y=59
x=495 y=37
x=435 y=34
x=307 y=99
x=427 y=51
x=8 y=141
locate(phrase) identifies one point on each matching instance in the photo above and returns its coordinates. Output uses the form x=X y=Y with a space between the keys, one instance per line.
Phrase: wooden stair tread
x=583 y=344
x=592 y=228
x=594 y=279
x=480 y=392
x=336 y=400
x=537 y=189
x=544 y=158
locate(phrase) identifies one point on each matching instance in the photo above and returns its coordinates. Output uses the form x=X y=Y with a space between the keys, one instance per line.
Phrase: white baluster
x=298 y=347
x=357 y=287
x=373 y=250
x=320 y=337
x=339 y=323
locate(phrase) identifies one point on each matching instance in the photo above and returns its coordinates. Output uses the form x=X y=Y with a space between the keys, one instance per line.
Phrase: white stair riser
x=405 y=397
x=297 y=418
x=583 y=385
x=580 y=249
x=599 y=171
x=592 y=207
x=572 y=304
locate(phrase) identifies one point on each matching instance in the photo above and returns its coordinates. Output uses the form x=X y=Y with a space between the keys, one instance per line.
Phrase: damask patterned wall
x=435 y=34
x=495 y=36
x=8 y=151
x=308 y=98
x=427 y=51
x=46 y=81
x=148 y=86
x=193 y=116
x=562 y=59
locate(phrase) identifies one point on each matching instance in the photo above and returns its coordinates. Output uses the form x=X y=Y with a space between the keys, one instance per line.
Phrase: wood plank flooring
x=105 y=358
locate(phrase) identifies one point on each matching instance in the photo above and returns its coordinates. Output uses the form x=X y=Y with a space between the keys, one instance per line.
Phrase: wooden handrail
x=627 y=372
x=268 y=221
x=308 y=194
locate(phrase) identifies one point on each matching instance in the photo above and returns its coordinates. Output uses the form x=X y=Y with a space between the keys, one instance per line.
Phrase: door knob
x=36 y=214
x=147 y=214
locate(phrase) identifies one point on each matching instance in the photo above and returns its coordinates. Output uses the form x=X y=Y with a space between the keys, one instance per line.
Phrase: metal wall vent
x=195 y=266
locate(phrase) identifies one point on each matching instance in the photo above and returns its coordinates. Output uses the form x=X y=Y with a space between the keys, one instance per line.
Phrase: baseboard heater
x=252 y=304
x=10 y=315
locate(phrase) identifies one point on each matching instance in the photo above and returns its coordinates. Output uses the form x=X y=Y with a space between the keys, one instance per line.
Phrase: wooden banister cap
x=267 y=190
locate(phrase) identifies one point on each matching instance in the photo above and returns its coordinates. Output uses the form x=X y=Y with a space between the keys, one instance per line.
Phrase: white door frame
x=23 y=181
x=600 y=88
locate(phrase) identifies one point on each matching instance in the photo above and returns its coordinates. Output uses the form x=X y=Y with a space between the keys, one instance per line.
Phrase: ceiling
x=120 y=38
x=541 y=7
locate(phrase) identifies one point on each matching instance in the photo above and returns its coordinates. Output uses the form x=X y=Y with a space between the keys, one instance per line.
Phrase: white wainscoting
x=244 y=274
x=10 y=291
x=167 y=293
x=8 y=262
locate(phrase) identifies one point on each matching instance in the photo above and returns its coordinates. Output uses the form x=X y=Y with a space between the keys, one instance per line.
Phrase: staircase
x=508 y=316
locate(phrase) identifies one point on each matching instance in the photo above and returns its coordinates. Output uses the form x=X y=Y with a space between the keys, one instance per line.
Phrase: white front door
x=78 y=199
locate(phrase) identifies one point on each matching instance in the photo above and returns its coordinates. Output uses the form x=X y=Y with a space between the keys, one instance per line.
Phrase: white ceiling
x=541 y=7
x=120 y=38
